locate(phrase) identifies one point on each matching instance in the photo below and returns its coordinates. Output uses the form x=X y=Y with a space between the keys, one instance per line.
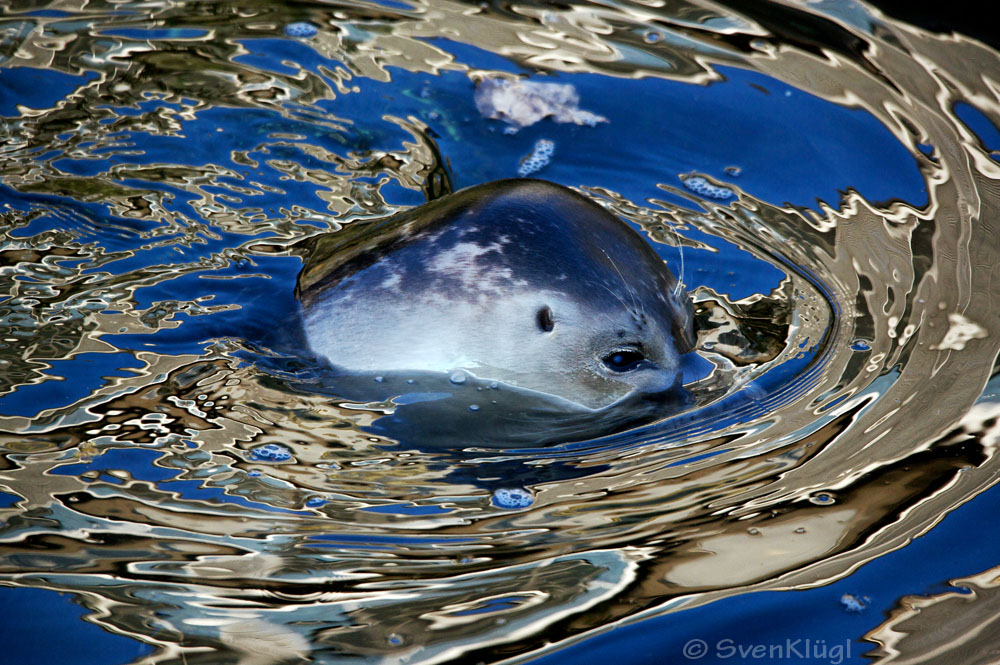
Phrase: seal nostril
x=544 y=319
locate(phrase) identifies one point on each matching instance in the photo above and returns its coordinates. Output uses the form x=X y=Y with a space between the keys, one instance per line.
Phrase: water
x=162 y=466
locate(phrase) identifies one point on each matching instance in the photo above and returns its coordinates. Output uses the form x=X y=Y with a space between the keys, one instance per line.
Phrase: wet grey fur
x=521 y=281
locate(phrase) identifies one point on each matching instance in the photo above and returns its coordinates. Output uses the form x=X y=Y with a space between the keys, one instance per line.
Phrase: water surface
x=830 y=174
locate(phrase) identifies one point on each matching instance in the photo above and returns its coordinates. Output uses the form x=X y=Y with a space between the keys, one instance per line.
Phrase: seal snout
x=652 y=379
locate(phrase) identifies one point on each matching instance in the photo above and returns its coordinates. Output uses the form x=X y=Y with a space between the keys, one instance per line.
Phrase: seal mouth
x=551 y=419
x=647 y=379
x=660 y=387
x=429 y=409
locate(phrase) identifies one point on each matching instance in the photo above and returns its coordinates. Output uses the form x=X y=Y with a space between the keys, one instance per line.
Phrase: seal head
x=521 y=281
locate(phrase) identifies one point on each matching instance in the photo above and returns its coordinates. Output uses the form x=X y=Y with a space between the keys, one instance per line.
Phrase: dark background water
x=964 y=17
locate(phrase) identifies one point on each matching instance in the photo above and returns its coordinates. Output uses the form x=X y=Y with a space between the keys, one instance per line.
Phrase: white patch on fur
x=461 y=261
x=392 y=282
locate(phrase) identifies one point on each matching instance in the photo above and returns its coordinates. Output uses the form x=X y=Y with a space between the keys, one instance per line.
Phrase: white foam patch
x=263 y=642
x=961 y=330
x=523 y=103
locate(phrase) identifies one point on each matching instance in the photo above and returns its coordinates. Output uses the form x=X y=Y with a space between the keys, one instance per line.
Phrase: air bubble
x=702 y=187
x=822 y=499
x=539 y=158
x=855 y=603
x=512 y=498
x=301 y=29
x=458 y=378
x=473 y=407
x=271 y=452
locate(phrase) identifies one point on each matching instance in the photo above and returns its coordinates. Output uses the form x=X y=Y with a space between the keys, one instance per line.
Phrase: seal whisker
x=636 y=298
x=617 y=297
x=678 y=287
x=631 y=293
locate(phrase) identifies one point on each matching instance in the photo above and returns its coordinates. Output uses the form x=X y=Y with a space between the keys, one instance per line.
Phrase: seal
x=522 y=282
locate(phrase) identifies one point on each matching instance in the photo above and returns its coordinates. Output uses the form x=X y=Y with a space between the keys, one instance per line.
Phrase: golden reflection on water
x=896 y=435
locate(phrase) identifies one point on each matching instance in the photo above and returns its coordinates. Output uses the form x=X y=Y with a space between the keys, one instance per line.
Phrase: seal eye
x=623 y=360
x=544 y=319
